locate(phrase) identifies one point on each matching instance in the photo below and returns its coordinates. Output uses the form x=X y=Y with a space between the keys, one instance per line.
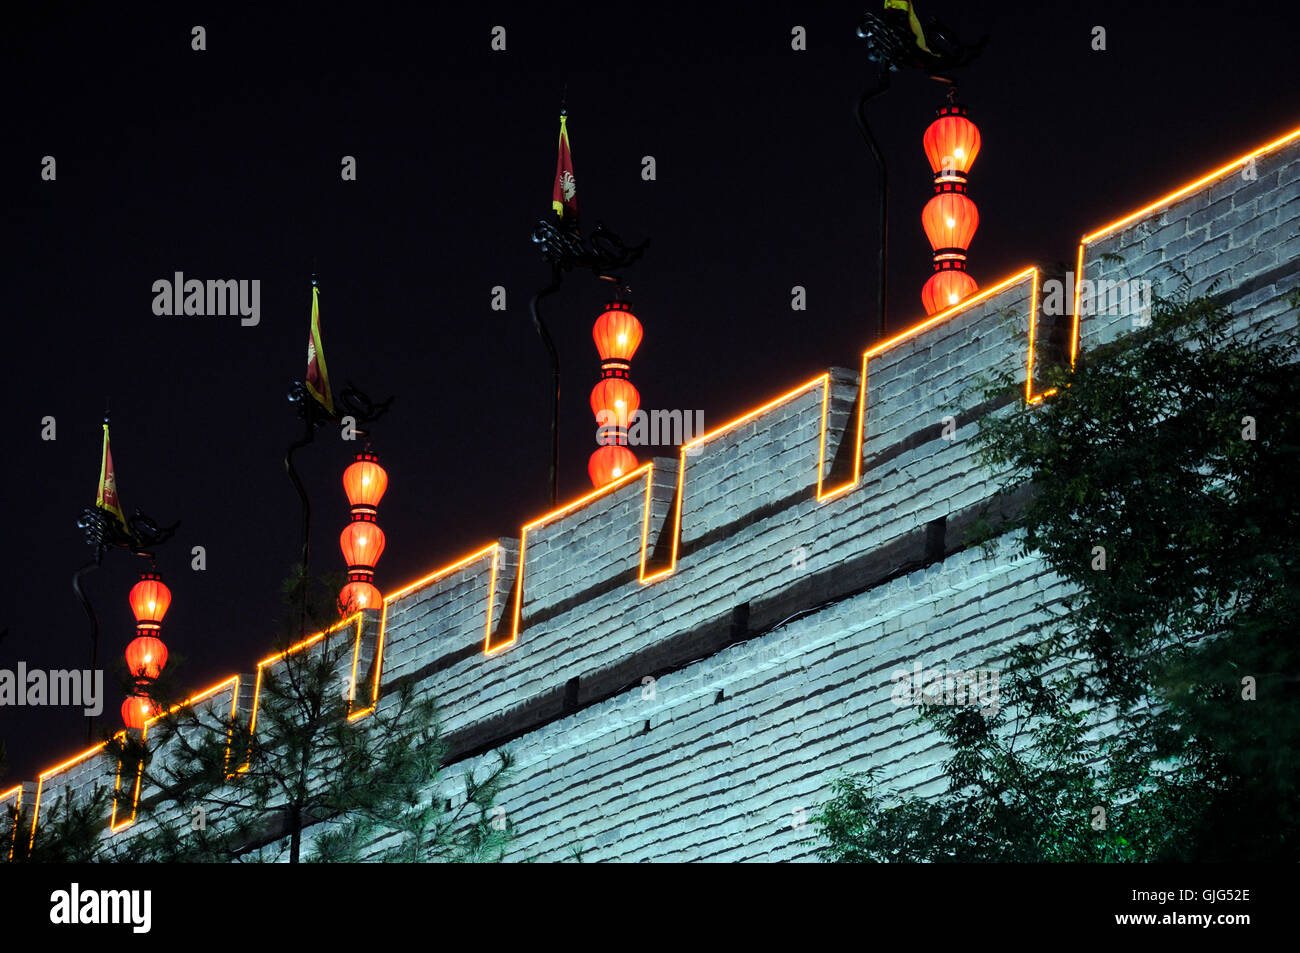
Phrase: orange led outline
x=437 y=574
x=40 y=783
x=305 y=643
x=646 y=469
x=1156 y=206
x=822 y=493
x=822 y=379
x=18 y=808
x=233 y=681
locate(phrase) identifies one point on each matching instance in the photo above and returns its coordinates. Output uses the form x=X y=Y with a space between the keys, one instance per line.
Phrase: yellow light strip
x=1156 y=206
x=822 y=493
x=1191 y=186
x=18 y=807
x=40 y=783
x=232 y=681
x=272 y=659
x=823 y=496
x=644 y=469
x=945 y=315
x=821 y=379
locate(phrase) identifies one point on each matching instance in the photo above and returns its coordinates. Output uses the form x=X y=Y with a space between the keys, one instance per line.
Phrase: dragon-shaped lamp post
x=564 y=249
x=141 y=535
x=896 y=40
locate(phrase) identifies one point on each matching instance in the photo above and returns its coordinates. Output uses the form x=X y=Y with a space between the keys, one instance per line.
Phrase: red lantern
x=617 y=398
x=146 y=657
x=609 y=463
x=950 y=220
x=150 y=599
x=952 y=141
x=365 y=481
x=362 y=542
x=137 y=710
x=356 y=596
x=617 y=333
x=947 y=288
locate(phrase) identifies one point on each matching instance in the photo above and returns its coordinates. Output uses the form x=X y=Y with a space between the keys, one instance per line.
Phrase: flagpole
x=860 y=112
x=534 y=308
x=94 y=622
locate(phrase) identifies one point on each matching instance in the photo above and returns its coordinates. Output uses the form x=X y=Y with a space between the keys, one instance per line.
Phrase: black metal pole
x=307 y=437
x=534 y=307
x=94 y=622
x=861 y=114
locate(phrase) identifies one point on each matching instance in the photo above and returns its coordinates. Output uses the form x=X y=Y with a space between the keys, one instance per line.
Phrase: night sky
x=226 y=164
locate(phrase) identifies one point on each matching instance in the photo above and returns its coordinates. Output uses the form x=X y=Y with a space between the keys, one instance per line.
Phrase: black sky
x=225 y=164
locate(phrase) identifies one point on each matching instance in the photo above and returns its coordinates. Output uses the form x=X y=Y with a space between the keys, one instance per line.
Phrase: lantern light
x=947 y=288
x=617 y=398
x=362 y=542
x=609 y=463
x=614 y=399
x=146 y=656
x=950 y=218
x=359 y=595
x=137 y=710
x=150 y=599
x=617 y=332
x=951 y=136
x=365 y=481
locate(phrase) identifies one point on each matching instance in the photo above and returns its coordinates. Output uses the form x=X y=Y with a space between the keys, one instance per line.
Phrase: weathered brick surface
x=1239 y=234
x=740 y=737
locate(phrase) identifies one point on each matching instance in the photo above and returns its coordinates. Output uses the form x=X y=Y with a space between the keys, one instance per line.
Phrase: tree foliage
x=1154 y=715
x=306 y=782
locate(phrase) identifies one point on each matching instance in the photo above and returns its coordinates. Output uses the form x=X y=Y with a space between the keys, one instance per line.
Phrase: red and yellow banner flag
x=318 y=379
x=107 y=496
x=564 y=196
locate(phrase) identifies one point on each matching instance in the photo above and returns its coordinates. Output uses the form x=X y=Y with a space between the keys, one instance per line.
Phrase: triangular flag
x=564 y=196
x=107 y=499
x=318 y=379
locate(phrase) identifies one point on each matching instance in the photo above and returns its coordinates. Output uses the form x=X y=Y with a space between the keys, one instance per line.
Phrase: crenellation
x=792 y=561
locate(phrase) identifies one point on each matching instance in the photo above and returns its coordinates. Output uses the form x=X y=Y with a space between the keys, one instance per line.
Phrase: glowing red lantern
x=952 y=141
x=362 y=542
x=617 y=332
x=947 y=288
x=356 y=596
x=137 y=710
x=617 y=398
x=146 y=657
x=150 y=599
x=365 y=481
x=609 y=463
x=950 y=220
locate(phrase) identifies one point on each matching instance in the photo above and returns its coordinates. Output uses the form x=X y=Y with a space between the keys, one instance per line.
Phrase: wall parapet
x=841 y=485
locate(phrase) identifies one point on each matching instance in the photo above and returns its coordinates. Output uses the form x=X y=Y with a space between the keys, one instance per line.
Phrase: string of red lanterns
x=950 y=218
x=146 y=655
x=362 y=541
x=614 y=400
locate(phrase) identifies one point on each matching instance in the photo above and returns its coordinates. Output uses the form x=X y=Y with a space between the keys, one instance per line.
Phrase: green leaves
x=1126 y=731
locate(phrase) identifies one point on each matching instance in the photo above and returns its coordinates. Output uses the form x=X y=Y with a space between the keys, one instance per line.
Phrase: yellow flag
x=107 y=496
x=318 y=379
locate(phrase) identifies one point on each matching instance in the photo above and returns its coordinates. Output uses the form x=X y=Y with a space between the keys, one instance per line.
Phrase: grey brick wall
x=773 y=636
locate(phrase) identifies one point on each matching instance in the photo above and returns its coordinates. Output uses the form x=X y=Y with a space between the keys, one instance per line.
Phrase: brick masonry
x=687 y=659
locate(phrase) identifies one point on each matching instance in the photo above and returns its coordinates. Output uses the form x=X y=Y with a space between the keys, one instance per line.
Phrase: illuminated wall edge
x=490 y=554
